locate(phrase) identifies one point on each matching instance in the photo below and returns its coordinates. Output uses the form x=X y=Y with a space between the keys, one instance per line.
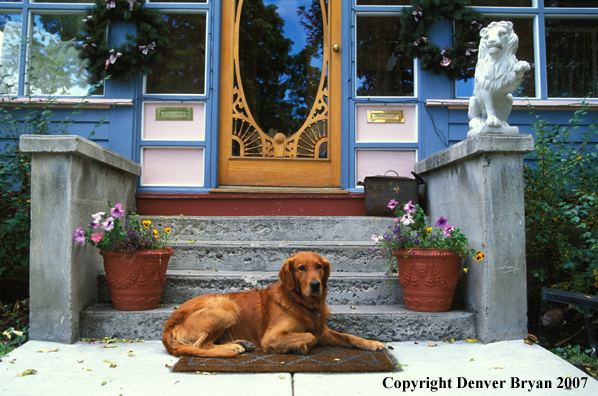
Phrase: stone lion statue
x=497 y=73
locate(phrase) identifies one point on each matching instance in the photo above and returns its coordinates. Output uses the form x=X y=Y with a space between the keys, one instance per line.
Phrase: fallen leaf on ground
x=49 y=350
x=104 y=383
x=129 y=353
x=471 y=340
x=109 y=346
x=79 y=361
x=281 y=376
x=530 y=339
x=167 y=366
x=497 y=368
x=432 y=345
x=27 y=372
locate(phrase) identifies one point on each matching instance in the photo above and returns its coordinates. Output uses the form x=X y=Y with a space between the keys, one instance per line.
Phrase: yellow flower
x=155 y=232
x=167 y=230
x=480 y=256
x=146 y=223
x=465 y=270
x=428 y=230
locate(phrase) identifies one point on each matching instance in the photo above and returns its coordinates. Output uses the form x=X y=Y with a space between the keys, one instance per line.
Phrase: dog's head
x=306 y=273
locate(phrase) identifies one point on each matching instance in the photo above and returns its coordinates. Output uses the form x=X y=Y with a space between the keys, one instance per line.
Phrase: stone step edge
x=384 y=323
x=268 y=243
x=354 y=310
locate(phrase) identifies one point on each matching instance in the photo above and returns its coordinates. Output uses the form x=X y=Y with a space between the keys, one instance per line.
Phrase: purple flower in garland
x=442 y=222
x=392 y=204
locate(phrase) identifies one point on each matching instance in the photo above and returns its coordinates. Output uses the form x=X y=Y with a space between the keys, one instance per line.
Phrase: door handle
x=336 y=48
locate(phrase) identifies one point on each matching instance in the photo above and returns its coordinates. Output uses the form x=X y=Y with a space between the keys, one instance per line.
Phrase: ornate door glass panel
x=280 y=92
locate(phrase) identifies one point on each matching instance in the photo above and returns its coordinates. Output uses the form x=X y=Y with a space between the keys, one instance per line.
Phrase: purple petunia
x=79 y=236
x=117 y=211
x=442 y=222
x=392 y=204
x=409 y=208
x=108 y=225
x=446 y=231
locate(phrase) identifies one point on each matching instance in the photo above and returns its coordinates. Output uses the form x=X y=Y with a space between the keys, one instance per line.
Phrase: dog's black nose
x=315 y=285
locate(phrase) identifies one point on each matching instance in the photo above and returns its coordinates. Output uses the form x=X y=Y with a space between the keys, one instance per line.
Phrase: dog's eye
x=318 y=266
x=302 y=268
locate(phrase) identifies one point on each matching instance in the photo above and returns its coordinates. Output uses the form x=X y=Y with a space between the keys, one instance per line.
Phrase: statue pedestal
x=511 y=130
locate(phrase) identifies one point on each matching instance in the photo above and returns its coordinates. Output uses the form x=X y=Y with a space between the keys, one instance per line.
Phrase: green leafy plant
x=24 y=116
x=561 y=207
x=582 y=359
x=108 y=233
x=412 y=231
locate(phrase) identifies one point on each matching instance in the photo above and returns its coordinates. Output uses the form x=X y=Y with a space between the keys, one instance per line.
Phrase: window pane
x=61 y=1
x=53 y=50
x=571 y=3
x=182 y=68
x=177 y=1
x=524 y=28
x=382 y=67
x=501 y=3
x=571 y=53
x=10 y=50
x=383 y=2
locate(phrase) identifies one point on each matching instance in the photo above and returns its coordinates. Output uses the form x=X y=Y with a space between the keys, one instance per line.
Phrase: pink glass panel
x=174 y=129
x=386 y=132
x=378 y=162
x=173 y=167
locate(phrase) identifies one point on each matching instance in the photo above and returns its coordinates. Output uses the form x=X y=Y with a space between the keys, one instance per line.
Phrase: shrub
x=561 y=207
x=17 y=119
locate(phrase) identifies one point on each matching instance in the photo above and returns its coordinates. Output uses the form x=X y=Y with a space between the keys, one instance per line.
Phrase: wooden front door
x=280 y=93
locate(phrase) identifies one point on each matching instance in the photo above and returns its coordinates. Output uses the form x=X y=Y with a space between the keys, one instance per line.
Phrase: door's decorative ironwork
x=310 y=141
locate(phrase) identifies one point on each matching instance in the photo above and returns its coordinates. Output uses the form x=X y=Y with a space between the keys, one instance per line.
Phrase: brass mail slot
x=386 y=116
x=174 y=113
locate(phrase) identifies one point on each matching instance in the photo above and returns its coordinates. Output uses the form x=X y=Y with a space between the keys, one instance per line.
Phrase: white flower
x=108 y=224
x=375 y=238
x=97 y=218
x=407 y=219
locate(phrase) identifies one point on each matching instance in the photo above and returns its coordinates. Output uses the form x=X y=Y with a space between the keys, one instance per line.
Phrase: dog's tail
x=192 y=330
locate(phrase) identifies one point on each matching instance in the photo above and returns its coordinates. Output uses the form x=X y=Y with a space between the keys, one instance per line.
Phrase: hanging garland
x=137 y=54
x=458 y=61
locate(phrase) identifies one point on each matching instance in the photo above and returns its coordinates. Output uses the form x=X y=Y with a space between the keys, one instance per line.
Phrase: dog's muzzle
x=315 y=286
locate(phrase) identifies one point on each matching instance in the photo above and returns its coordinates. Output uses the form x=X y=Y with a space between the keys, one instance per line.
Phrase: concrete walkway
x=502 y=368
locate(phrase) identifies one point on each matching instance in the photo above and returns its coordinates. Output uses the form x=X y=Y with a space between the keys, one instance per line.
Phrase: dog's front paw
x=372 y=346
x=249 y=347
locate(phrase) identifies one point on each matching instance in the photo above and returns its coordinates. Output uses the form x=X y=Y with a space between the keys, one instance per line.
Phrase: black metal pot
x=379 y=190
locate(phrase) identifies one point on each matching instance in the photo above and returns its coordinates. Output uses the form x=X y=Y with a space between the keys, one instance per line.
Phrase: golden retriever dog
x=287 y=317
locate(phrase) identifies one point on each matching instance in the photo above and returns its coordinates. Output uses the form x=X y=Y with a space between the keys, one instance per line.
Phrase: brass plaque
x=397 y=116
x=174 y=113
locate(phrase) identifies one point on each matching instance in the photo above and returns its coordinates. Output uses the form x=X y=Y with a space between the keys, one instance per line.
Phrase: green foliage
x=415 y=22
x=561 y=207
x=17 y=334
x=108 y=233
x=23 y=117
x=137 y=54
x=573 y=354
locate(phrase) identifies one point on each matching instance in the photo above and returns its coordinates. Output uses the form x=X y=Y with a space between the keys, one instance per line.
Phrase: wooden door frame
x=284 y=172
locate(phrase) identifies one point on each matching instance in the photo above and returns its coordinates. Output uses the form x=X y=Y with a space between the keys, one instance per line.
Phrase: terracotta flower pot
x=428 y=278
x=136 y=279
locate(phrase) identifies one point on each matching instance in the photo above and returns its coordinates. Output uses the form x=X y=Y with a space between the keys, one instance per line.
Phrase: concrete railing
x=478 y=186
x=72 y=178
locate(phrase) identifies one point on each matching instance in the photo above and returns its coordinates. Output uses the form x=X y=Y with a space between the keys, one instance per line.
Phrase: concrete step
x=346 y=288
x=352 y=256
x=272 y=228
x=382 y=322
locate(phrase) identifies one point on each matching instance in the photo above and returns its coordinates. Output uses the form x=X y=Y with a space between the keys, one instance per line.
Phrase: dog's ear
x=326 y=268
x=286 y=273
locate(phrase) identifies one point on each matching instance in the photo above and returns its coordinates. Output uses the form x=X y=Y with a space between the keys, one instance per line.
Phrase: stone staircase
x=227 y=254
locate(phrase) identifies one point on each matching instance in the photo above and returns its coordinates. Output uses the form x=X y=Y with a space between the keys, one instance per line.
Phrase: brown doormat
x=321 y=359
